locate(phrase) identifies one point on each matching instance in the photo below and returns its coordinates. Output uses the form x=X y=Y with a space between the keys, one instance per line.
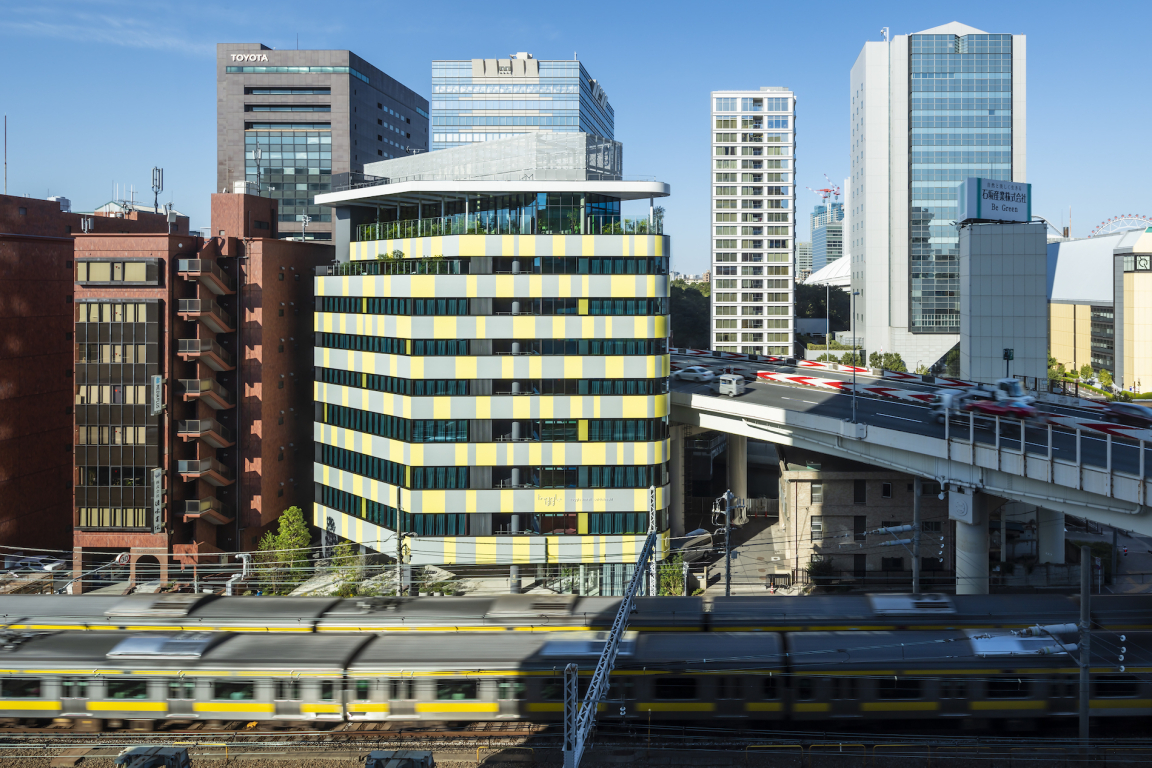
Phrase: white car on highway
x=694 y=373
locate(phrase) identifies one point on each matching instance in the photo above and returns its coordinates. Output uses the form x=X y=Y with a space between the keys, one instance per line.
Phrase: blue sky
x=97 y=93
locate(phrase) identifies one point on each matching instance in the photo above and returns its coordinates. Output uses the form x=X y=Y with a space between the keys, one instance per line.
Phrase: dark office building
x=291 y=120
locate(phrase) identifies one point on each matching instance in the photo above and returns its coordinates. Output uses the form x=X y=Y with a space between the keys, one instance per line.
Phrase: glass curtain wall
x=560 y=100
x=961 y=126
x=293 y=167
x=551 y=213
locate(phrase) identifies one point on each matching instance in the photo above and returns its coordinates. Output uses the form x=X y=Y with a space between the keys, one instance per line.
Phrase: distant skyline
x=98 y=94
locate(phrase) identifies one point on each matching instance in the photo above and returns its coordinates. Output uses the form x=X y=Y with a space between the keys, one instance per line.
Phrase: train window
x=899 y=688
x=553 y=690
x=844 y=688
x=327 y=691
x=233 y=691
x=729 y=688
x=362 y=689
x=288 y=690
x=1067 y=687
x=20 y=688
x=127 y=689
x=675 y=688
x=181 y=689
x=403 y=689
x=805 y=689
x=455 y=690
x=1117 y=686
x=73 y=689
x=511 y=690
x=619 y=689
x=1007 y=688
x=953 y=689
x=769 y=688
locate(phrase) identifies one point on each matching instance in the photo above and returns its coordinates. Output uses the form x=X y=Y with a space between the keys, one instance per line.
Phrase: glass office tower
x=927 y=111
x=490 y=99
x=961 y=126
x=752 y=161
x=827 y=234
x=492 y=363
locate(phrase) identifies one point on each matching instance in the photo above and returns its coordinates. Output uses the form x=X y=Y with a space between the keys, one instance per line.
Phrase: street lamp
x=854 y=366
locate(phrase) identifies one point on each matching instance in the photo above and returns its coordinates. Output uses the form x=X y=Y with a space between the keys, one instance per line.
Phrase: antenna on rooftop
x=157 y=188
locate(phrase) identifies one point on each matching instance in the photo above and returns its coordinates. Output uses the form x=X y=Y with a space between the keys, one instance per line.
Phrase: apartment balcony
x=208 y=313
x=209 y=470
x=209 y=392
x=208 y=510
x=207 y=351
x=208 y=274
x=209 y=431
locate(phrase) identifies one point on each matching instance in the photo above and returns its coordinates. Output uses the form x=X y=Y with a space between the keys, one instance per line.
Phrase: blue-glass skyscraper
x=959 y=96
x=488 y=99
x=827 y=234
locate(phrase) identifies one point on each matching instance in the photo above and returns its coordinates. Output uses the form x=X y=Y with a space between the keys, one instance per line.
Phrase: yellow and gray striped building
x=491 y=368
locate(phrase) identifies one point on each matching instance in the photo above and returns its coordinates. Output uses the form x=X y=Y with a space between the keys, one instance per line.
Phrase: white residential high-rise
x=928 y=110
x=753 y=220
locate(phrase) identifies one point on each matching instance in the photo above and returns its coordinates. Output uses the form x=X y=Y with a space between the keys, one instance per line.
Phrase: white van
x=730 y=384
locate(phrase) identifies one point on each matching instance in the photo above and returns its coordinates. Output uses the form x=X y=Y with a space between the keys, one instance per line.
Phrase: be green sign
x=994 y=200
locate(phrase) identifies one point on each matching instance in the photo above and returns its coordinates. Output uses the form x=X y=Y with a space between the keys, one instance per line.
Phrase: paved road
x=917 y=419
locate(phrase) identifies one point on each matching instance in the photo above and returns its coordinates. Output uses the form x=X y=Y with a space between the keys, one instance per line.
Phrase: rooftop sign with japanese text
x=994 y=200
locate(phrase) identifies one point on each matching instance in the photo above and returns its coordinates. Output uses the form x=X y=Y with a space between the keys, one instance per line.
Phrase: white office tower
x=753 y=220
x=928 y=110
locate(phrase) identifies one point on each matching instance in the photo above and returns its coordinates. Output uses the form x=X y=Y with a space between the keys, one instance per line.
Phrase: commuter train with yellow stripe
x=741 y=678
x=555 y=613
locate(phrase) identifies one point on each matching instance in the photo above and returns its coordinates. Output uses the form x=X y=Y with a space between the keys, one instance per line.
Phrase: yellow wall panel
x=526 y=245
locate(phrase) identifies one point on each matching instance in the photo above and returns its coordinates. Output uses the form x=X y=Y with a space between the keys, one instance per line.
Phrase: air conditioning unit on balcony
x=245 y=188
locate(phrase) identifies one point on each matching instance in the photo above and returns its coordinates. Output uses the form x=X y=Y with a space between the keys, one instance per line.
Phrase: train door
x=288 y=698
x=402 y=698
x=510 y=695
x=843 y=691
x=729 y=696
x=74 y=695
x=181 y=696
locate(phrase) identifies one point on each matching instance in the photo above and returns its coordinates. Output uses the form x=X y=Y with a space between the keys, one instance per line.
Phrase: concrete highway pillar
x=514 y=571
x=972 y=550
x=1050 y=535
x=676 y=482
x=738 y=465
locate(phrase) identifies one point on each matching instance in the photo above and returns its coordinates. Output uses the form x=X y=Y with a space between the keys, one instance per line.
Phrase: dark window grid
x=457 y=307
x=462 y=387
x=462 y=347
x=456 y=478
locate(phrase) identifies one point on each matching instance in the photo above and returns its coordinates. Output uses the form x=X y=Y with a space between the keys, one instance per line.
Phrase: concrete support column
x=78 y=570
x=514 y=571
x=972 y=551
x=1050 y=535
x=676 y=482
x=738 y=465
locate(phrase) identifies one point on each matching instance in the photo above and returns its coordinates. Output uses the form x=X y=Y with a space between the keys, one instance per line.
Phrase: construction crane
x=832 y=190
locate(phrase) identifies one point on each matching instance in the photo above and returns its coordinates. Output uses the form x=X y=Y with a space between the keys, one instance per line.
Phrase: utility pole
x=1085 y=641
x=728 y=507
x=916 y=485
x=399 y=541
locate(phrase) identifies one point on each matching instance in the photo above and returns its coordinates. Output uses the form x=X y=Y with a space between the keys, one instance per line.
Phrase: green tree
x=691 y=312
x=922 y=369
x=670 y=576
x=1105 y=379
x=952 y=362
x=853 y=358
x=1085 y=372
x=891 y=361
x=283 y=556
x=346 y=562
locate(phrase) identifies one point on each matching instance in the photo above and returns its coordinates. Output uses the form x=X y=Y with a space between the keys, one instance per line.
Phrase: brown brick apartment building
x=36 y=254
x=223 y=326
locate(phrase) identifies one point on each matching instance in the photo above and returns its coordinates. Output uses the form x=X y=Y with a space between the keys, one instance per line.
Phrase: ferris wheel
x=1121 y=223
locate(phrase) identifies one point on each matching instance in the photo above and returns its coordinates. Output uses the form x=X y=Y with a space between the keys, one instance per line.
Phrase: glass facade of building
x=753 y=221
x=960 y=105
x=293 y=167
x=467 y=109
